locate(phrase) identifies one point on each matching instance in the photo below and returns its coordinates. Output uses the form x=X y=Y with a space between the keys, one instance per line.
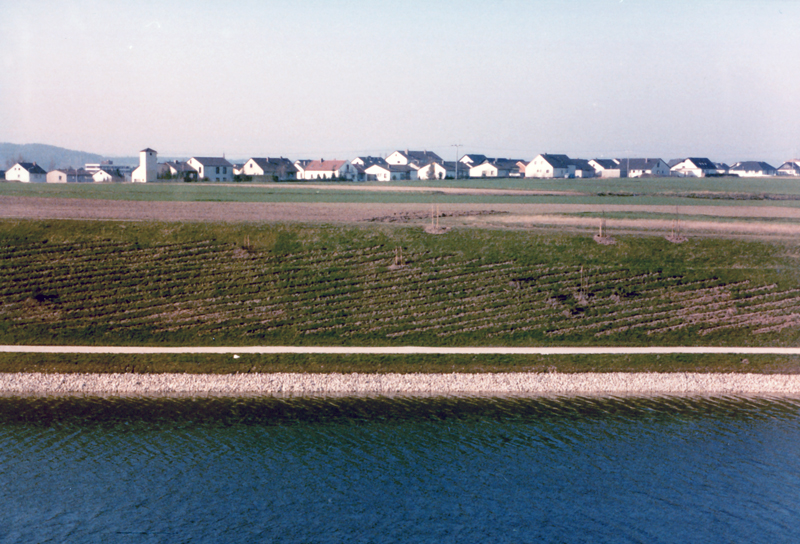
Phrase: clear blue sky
x=333 y=79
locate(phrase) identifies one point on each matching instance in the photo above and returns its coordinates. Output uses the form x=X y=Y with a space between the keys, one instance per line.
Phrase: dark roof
x=421 y=157
x=32 y=167
x=474 y=158
x=557 y=161
x=702 y=162
x=369 y=161
x=607 y=164
x=582 y=164
x=395 y=167
x=639 y=164
x=274 y=164
x=212 y=161
x=148 y=149
x=502 y=164
x=752 y=166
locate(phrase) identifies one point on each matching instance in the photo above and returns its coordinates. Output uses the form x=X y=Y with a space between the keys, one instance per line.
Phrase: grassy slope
x=205 y=284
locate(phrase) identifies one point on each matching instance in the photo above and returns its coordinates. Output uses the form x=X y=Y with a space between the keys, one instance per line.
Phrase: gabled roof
x=639 y=164
x=148 y=150
x=607 y=164
x=274 y=164
x=790 y=166
x=422 y=157
x=702 y=162
x=582 y=164
x=393 y=167
x=501 y=164
x=369 y=161
x=32 y=167
x=752 y=166
x=179 y=166
x=212 y=161
x=473 y=158
x=557 y=161
x=324 y=166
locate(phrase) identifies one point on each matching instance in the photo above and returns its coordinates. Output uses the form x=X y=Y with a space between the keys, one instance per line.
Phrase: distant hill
x=50 y=157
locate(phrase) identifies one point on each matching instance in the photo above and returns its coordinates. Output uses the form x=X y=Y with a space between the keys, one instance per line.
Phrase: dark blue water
x=399 y=470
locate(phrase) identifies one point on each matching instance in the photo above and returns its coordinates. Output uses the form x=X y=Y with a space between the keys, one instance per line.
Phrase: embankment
x=405 y=384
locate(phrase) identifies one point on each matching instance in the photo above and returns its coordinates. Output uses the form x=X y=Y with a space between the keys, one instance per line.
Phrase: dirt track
x=496 y=215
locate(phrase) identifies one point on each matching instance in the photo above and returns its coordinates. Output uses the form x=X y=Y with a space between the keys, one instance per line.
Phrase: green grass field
x=85 y=283
x=656 y=191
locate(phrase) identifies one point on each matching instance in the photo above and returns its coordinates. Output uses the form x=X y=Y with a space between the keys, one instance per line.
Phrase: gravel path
x=405 y=384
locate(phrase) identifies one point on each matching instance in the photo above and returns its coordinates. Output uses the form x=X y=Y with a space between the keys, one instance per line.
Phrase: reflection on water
x=460 y=469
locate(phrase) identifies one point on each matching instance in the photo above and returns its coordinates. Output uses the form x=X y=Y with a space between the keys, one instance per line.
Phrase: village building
x=390 y=172
x=367 y=161
x=276 y=168
x=472 y=159
x=550 y=166
x=638 y=168
x=496 y=168
x=583 y=169
x=789 y=168
x=443 y=170
x=694 y=167
x=26 y=172
x=69 y=175
x=722 y=168
x=415 y=159
x=331 y=169
x=148 y=167
x=752 y=169
x=101 y=176
x=177 y=170
x=212 y=168
x=608 y=168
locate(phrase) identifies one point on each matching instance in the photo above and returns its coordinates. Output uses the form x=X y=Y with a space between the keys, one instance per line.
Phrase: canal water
x=438 y=469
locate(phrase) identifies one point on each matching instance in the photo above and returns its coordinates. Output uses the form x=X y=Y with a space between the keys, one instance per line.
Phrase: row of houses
x=400 y=165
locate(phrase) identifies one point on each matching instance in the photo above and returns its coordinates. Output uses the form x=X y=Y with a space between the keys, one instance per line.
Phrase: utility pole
x=456 y=146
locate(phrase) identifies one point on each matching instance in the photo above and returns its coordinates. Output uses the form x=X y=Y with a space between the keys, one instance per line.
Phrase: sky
x=339 y=78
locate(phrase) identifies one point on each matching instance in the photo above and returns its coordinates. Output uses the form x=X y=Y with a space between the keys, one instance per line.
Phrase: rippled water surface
x=399 y=470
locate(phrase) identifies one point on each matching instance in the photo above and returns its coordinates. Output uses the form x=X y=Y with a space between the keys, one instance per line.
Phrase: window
x=217 y=172
x=224 y=169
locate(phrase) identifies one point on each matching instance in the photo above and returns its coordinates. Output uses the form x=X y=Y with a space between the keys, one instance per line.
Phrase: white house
x=367 y=161
x=148 y=167
x=789 y=168
x=101 y=176
x=390 y=172
x=335 y=169
x=550 y=166
x=212 y=168
x=68 y=175
x=608 y=168
x=413 y=158
x=277 y=168
x=442 y=170
x=26 y=172
x=583 y=169
x=495 y=168
x=694 y=167
x=752 y=169
x=472 y=159
x=637 y=168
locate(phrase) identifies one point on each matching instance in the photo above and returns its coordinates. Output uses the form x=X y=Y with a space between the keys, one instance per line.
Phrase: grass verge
x=402 y=364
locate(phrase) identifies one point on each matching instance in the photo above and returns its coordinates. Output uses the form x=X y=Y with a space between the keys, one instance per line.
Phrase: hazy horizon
x=336 y=79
